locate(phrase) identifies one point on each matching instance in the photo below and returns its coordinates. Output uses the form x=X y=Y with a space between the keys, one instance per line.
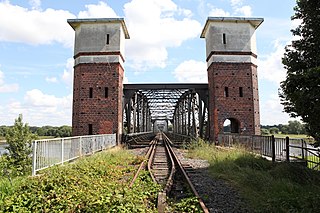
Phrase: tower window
x=90 y=92
x=106 y=92
x=226 y=92
x=108 y=39
x=224 y=38
x=240 y=92
x=90 y=132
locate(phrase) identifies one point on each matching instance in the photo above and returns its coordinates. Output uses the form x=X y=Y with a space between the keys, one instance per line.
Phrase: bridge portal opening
x=231 y=125
x=178 y=108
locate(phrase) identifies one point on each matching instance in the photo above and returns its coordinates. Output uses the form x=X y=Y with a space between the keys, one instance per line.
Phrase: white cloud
x=67 y=76
x=7 y=88
x=236 y=2
x=36 y=98
x=271 y=67
x=41 y=108
x=185 y=12
x=243 y=11
x=38 y=109
x=218 y=12
x=154 y=27
x=35 y=4
x=125 y=80
x=272 y=111
x=101 y=10
x=51 y=79
x=34 y=26
x=191 y=71
x=237 y=10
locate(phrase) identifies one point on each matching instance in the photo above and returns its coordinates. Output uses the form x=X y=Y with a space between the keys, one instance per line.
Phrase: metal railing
x=278 y=149
x=301 y=150
x=49 y=152
x=258 y=144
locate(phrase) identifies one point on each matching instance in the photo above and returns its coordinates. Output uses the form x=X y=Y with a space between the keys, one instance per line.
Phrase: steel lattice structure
x=156 y=106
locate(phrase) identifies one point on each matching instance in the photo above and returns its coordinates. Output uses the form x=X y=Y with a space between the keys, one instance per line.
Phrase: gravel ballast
x=217 y=195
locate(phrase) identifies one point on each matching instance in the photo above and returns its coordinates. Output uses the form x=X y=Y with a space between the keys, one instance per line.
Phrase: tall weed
x=266 y=186
x=98 y=183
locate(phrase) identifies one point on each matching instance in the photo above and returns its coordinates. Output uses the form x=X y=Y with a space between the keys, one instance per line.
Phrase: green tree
x=64 y=131
x=300 y=91
x=264 y=131
x=283 y=128
x=19 y=139
x=295 y=127
x=3 y=130
x=274 y=130
x=40 y=131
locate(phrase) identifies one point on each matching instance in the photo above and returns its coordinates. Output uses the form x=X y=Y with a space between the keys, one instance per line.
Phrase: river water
x=2 y=148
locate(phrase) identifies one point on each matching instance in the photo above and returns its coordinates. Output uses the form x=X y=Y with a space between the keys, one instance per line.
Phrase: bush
x=19 y=139
x=98 y=183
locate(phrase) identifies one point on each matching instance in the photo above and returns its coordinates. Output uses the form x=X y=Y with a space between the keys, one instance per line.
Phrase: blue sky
x=36 y=49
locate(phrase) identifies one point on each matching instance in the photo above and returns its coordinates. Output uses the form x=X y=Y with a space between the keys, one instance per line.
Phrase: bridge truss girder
x=184 y=106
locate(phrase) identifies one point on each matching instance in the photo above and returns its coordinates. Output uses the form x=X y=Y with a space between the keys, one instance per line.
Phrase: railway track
x=166 y=170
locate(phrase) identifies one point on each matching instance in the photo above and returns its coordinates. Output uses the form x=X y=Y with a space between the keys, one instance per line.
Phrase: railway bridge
x=102 y=104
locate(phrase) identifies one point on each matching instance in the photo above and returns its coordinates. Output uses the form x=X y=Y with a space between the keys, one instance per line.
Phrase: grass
x=266 y=187
x=313 y=162
x=98 y=183
x=295 y=136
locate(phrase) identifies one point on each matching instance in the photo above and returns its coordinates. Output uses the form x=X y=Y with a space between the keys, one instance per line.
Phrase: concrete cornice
x=74 y=23
x=255 y=22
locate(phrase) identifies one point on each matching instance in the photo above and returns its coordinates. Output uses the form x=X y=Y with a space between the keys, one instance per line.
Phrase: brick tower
x=232 y=74
x=98 y=75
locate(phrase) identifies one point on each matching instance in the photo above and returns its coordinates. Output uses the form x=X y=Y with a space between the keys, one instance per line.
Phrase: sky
x=36 y=50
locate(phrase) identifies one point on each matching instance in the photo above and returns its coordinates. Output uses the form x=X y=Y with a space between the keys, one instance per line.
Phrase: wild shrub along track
x=164 y=165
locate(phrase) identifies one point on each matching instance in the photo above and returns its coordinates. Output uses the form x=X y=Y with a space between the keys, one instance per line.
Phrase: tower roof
x=74 y=23
x=255 y=22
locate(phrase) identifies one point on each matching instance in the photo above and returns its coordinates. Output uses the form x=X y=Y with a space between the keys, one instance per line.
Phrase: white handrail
x=49 y=152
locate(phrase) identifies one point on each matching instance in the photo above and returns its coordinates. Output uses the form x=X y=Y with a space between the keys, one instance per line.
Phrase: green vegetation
x=300 y=91
x=293 y=136
x=98 y=183
x=293 y=127
x=45 y=131
x=18 y=160
x=265 y=186
x=186 y=205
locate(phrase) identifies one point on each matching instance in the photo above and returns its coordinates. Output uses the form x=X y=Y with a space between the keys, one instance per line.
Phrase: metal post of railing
x=94 y=141
x=62 y=150
x=302 y=149
x=273 y=148
x=80 y=146
x=287 y=149
x=34 y=158
x=306 y=148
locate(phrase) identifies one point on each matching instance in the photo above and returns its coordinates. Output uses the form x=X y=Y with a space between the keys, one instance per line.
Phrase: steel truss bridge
x=181 y=108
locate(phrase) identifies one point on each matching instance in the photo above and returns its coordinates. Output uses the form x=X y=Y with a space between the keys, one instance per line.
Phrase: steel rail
x=161 y=204
x=203 y=206
x=151 y=144
x=173 y=170
x=153 y=151
x=172 y=157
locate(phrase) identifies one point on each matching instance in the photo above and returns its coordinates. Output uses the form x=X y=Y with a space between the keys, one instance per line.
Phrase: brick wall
x=104 y=114
x=245 y=109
